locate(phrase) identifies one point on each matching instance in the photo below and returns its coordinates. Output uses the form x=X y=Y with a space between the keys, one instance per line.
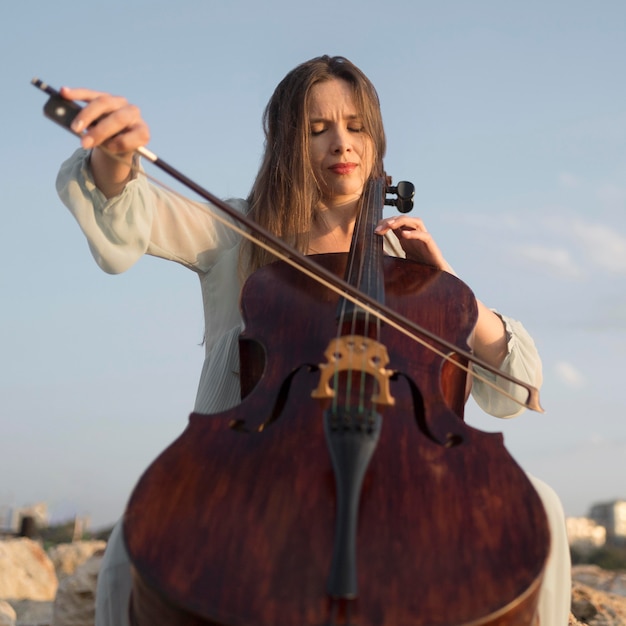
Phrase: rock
x=26 y=572
x=32 y=613
x=29 y=584
x=76 y=597
x=600 y=579
x=66 y=557
x=7 y=614
x=594 y=598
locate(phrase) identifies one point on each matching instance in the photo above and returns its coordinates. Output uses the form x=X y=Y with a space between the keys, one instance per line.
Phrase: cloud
x=601 y=244
x=560 y=240
x=569 y=375
x=554 y=260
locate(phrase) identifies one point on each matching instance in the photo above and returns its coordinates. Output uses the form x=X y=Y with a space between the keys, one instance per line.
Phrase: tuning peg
x=405 y=191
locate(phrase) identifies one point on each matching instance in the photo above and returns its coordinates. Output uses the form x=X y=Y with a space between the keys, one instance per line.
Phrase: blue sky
x=509 y=117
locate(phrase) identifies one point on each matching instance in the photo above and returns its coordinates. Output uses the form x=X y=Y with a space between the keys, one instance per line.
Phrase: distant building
x=585 y=535
x=38 y=512
x=611 y=515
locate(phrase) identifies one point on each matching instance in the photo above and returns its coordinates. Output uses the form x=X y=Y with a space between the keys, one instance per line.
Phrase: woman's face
x=341 y=152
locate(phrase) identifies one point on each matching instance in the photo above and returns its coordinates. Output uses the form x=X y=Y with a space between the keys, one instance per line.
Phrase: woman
x=324 y=138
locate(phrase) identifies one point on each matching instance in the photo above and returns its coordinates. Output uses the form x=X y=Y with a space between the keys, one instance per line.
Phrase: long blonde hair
x=285 y=192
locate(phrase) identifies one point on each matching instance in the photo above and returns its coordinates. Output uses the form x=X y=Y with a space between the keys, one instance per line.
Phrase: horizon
x=52 y=521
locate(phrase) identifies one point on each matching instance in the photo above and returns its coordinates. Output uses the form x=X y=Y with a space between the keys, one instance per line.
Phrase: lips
x=343 y=168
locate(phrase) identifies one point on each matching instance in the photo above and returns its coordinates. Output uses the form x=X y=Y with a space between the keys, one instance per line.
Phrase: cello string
x=380 y=315
x=360 y=273
x=357 y=281
x=350 y=272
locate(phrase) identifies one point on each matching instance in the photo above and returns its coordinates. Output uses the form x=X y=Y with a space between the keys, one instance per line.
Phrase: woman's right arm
x=122 y=215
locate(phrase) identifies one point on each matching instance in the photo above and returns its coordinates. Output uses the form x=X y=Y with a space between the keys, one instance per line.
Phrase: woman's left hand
x=416 y=241
x=489 y=338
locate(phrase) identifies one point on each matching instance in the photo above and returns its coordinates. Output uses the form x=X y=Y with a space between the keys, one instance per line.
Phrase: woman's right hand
x=113 y=123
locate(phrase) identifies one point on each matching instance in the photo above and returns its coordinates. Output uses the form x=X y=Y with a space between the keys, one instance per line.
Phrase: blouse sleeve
x=142 y=219
x=522 y=361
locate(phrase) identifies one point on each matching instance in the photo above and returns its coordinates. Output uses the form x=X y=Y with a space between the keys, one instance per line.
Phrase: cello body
x=235 y=522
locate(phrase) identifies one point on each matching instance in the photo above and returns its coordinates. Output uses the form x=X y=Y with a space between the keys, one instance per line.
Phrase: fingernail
x=77 y=125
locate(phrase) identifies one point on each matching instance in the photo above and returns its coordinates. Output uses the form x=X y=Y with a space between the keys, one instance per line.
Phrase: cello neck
x=365 y=260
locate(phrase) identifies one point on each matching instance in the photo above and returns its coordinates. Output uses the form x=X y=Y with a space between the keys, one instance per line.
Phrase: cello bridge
x=355 y=353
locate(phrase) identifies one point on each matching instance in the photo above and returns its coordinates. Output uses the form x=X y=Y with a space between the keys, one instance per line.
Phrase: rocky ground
x=57 y=588
x=54 y=588
x=598 y=597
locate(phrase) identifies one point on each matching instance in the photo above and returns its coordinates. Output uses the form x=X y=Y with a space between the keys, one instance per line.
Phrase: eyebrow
x=318 y=120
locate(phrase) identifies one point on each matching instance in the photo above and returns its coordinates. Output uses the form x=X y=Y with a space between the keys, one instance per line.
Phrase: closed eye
x=319 y=130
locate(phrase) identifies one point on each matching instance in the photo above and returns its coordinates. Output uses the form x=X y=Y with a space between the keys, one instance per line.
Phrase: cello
x=341 y=490
x=344 y=491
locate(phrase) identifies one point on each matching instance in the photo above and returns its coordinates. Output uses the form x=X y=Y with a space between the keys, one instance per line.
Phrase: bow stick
x=63 y=111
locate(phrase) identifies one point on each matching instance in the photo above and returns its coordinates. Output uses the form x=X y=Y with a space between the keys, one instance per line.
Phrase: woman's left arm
x=490 y=341
x=500 y=341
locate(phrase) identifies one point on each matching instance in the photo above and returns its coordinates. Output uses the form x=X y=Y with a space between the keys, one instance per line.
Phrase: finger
x=385 y=225
x=129 y=140
x=87 y=115
x=97 y=109
x=413 y=234
x=110 y=121
x=107 y=120
x=98 y=104
x=399 y=222
x=80 y=93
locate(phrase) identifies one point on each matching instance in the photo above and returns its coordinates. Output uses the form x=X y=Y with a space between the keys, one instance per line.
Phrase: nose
x=341 y=141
